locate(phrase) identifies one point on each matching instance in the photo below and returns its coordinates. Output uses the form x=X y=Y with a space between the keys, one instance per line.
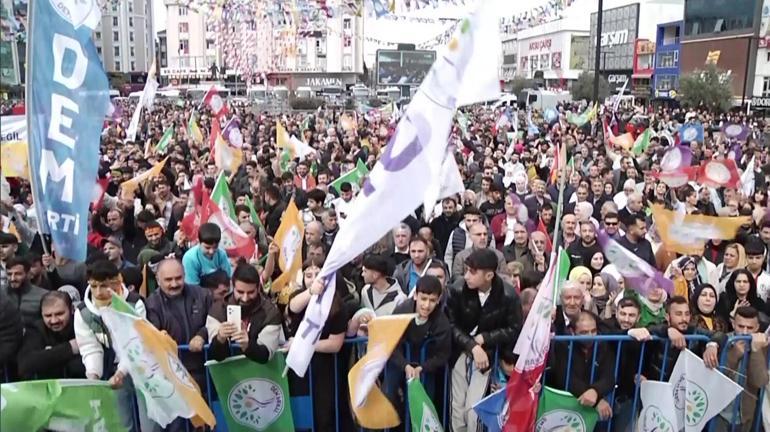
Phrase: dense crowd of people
x=470 y=270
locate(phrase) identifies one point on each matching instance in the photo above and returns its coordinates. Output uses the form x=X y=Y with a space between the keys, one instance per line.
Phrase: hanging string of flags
x=551 y=11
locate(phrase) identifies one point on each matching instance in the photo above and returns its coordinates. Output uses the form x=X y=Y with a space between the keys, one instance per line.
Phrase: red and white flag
x=215 y=102
x=234 y=241
x=719 y=173
x=532 y=347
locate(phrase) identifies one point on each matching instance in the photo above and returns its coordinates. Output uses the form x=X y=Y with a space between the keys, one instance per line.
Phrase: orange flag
x=688 y=234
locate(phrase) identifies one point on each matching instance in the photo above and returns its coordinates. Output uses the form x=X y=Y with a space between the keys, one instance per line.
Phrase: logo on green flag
x=421 y=410
x=560 y=410
x=256 y=402
x=257 y=394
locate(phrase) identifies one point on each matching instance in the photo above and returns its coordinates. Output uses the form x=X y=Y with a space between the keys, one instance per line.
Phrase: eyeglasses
x=610 y=223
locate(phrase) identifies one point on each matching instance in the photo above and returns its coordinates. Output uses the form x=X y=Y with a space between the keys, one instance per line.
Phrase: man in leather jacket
x=485 y=314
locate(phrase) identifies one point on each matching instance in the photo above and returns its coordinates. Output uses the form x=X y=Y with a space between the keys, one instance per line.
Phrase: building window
x=116 y=51
x=710 y=16
x=133 y=66
x=666 y=82
x=346 y=24
x=184 y=27
x=131 y=50
x=766 y=87
x=209 y=44
x=114 y=21
x=347 y=63
x=117 y=66
x=115 y=36
x=131 y=5
x=184 y=46
x=98 y=35
x=347 y=41
x=130 y=21
x=99 y=50
x=131 y=36
x=182 y=11
x=768 y=56
x=668 y=59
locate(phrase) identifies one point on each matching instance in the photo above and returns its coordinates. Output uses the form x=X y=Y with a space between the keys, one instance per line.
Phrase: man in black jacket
x=443 y=225
x=259 y=334
x=590 y=378
x=485 y=314
x=49 y=349
x=659 y=359
x=180 y=310
x=11 y=330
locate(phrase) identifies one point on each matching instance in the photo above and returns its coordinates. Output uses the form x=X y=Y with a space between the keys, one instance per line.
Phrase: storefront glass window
x=717 y=16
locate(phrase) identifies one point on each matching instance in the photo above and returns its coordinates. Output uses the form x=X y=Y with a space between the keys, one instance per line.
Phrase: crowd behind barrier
x=302 y=407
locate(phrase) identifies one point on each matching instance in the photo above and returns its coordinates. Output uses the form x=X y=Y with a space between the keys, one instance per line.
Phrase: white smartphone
x=234 y=315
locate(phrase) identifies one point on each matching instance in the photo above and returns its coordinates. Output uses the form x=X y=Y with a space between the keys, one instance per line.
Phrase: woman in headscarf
x=603 y=286
x=740 y=290
x=687 y=278
x=734 y=259
x=597 y=262
x=703 y=303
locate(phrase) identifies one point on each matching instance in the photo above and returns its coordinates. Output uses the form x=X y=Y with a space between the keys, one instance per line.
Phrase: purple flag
x=639 y=275
x=736 y=132
x=232 y=133
x=676 y=158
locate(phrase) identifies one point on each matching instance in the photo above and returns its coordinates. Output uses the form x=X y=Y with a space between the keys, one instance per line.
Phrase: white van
x=257 y=93
x=280 y=92
x=304 y=92
x=542 y=99
x=505 y=101
x=389 y=94
x=359 y=91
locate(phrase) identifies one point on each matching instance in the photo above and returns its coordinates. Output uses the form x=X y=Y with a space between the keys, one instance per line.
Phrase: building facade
x=644 y=66
x=510 y=59
x=124 y=39
x=667 y=53
x=558 y=49
x=192 y=52
x=762 y=69
x=623 y=24
x=724 y=33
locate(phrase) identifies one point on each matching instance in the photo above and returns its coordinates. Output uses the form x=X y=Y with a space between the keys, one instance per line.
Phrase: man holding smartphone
x=256 y=330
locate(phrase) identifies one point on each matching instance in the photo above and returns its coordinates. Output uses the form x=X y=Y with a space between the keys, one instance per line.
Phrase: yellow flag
x=625 y=141
x=129 y=186
x=688 y=234
x=371 y=407
x=14 y=159
x=226 y=157
x=283 y=141
x=289 y=240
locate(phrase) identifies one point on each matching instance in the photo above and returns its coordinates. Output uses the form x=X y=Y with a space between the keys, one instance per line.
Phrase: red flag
x=100 y=187
x=234 y=241
x=532 y=347
x=216 y=103
x=215 y=131
x=548 y=243
x=716 y=173
x=559 y=161
x=201 y=213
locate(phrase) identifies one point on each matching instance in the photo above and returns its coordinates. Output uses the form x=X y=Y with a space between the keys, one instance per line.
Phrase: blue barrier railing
x=357 y=347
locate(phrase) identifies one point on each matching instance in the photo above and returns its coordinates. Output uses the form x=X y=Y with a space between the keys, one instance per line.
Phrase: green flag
x=353 y=176
x=254 y=396
x=560 y=410
x=253 y=213
x=165 y=140
x=222 y=197
x=75 y=404
x=121 y=305
x=284 y=160
x=421 y=410
x=463 y=122
x=642 y=142
x=562 y=271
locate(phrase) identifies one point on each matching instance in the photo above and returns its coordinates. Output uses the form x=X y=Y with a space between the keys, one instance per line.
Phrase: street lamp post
x=597 y=54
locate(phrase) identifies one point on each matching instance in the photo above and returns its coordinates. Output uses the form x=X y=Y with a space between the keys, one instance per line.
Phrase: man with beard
x=581 y=251
x=157 y=244
x=180 y=310
x=22 y=292
x=259 y=334
x=590 y=385
x=49 y=349
x=443 y=225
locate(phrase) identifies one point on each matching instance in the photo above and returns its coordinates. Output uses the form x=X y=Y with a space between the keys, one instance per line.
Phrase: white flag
x=145 y=101
x=451 y=184
x=747 y=179
x=403 y=177
x=699 y=393
x=659 y=413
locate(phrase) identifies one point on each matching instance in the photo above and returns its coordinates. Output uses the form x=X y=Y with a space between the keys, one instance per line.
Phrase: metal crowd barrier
x=302 y=407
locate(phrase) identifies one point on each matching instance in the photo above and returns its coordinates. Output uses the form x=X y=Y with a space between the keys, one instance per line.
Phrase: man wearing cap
x=485 y=314
x=113 y=249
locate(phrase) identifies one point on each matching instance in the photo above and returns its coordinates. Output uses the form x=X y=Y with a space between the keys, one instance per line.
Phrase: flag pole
x=560 y=204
